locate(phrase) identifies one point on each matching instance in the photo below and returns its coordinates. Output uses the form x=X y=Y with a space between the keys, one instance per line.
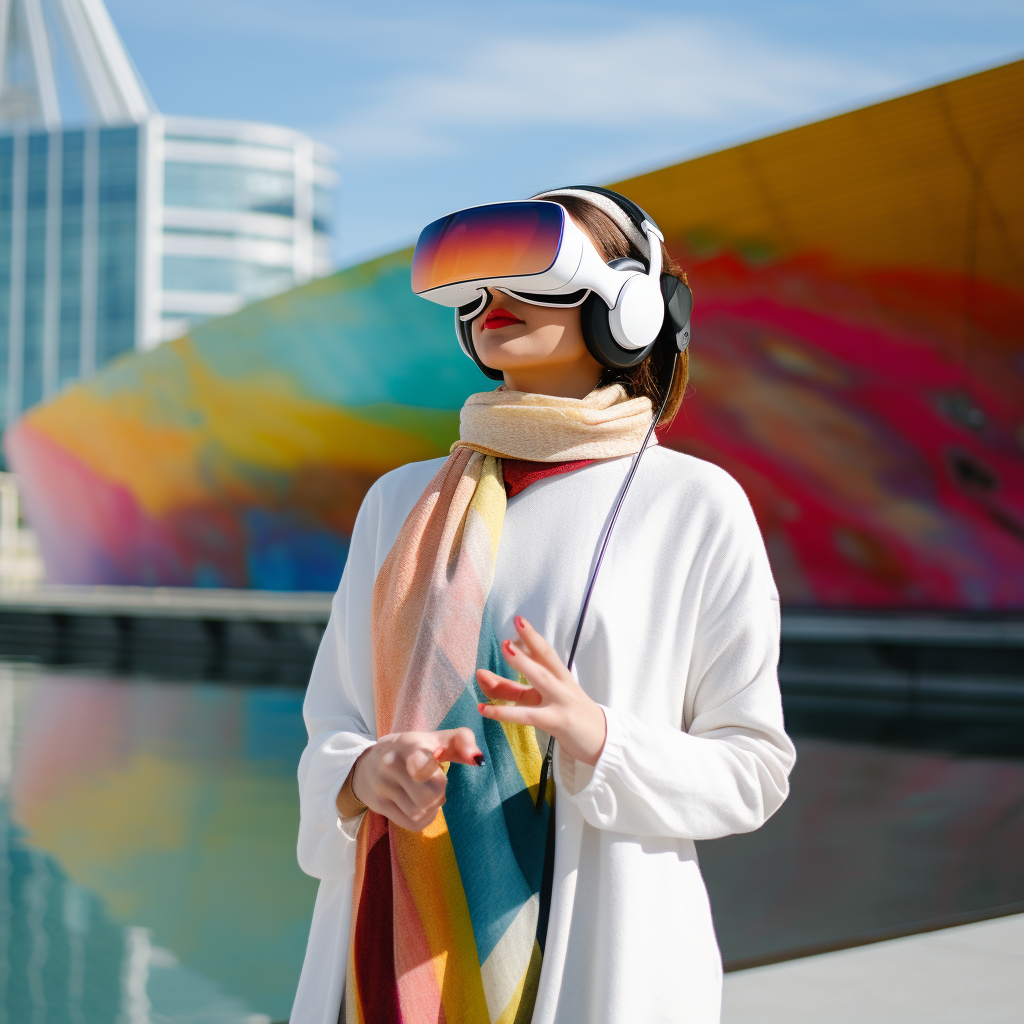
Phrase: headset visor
x=496 y=241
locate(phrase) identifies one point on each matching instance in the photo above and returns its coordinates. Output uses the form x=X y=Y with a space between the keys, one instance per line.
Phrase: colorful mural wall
x=858 y=365
x=238 y=456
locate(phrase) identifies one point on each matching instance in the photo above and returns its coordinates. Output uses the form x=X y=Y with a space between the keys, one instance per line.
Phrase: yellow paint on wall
x=932 y=180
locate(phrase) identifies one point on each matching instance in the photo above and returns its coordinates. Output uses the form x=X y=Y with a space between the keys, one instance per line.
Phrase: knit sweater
x=680 y=648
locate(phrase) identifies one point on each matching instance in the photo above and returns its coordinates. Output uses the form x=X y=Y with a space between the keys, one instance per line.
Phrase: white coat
x=680 y=647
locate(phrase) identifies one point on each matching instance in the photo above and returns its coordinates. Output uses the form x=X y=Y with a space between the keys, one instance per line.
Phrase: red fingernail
x=479 y=760
x=519 y=622
x=480 y=708
x=508 y=647
x=438 y=753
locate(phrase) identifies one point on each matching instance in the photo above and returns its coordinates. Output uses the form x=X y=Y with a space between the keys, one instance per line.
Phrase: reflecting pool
x=147 y=849
x=872 y=838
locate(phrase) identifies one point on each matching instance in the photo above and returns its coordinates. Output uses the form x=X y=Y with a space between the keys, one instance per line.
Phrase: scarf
x=447 y=922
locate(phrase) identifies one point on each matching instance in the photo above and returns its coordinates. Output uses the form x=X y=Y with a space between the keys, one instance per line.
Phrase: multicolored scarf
x=447 y=923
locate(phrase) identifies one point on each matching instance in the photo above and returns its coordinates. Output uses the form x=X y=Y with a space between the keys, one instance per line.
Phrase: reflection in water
x=871 y=838
x=147 y=850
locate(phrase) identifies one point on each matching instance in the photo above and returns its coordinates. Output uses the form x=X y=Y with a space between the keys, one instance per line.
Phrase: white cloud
x=675 y=71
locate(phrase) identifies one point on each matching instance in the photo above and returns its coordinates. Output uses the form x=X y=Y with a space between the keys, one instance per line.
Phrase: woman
x=455 y=887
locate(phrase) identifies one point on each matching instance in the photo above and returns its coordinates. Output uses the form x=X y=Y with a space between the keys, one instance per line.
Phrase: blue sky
x=436 y=106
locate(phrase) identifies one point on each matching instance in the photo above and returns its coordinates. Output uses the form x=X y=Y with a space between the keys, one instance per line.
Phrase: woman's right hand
x=401 y=777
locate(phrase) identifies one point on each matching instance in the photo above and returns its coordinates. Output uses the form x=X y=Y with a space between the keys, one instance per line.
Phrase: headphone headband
x=627 y=215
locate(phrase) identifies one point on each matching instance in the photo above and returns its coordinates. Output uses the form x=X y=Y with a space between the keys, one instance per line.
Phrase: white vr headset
x=532 y=250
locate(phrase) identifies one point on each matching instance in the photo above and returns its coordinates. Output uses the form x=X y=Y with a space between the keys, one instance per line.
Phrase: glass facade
x=227 y=140
x=323 y=209
x=68 y=228
x=208 y=186
x=246 y=216
x=69 y=354
x=116 y=234
x=6 y=210
x=236 y=220
x=35 y=269
x=211 y=274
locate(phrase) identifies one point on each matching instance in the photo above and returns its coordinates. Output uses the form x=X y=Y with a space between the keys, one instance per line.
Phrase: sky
x=433 y=107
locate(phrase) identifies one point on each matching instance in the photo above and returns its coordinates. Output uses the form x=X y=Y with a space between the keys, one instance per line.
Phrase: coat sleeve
x=725 y=768
x=338 y=709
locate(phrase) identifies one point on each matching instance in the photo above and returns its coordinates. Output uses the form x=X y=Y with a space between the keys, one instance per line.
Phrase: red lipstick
x=498 y=318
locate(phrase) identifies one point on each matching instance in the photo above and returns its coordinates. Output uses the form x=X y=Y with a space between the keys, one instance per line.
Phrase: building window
x=209 y=274
x=6 y=198
x=217 y=233
x=323 y=209
x=224 y=140
x=35 y=271
x=226 y=187
x=69 y=358
x=115 y=284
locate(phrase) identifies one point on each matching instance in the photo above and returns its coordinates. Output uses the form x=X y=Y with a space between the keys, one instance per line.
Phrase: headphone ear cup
x=601 y=343
x=678 y=307
x=464 y=332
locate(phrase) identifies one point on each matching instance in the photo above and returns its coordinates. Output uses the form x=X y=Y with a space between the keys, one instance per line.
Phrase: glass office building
x=124 y=233
x=244 y=212
x=68 y=257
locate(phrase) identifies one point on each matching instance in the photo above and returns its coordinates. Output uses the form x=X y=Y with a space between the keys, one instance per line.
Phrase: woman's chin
x=509 y=356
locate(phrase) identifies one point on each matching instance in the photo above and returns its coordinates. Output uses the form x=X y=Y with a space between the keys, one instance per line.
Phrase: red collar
x=519 y=473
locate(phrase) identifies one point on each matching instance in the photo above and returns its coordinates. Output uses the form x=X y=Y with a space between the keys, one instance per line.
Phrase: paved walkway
x=971 y=974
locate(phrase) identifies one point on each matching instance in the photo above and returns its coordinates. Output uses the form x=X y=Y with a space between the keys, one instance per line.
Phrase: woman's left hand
x=553 y=702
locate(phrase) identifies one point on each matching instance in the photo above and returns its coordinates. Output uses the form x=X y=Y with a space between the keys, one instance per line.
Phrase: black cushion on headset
x=678 y=306
x=464 y=329
x=601 y=344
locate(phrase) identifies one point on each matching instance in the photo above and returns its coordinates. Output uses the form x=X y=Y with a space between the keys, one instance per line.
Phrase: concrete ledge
x=871 y=662
x=802 y=625
x=170 y=603
x=176 y=632
x=937 y=628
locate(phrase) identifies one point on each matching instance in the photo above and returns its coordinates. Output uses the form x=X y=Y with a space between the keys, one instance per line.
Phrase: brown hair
x=644 y=378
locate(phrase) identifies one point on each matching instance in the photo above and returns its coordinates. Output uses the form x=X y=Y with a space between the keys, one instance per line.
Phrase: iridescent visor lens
x=486 y=242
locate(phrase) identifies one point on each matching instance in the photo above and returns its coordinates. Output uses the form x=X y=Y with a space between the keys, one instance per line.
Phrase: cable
x=545 y=769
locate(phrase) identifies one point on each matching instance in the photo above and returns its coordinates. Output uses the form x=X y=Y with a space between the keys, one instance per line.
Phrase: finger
x=426 y=801
x=397 y=794
x=533 y=672
x=395 y=814
x=420 y=763
x=456 y=745
x=418 y=799
x=425 y=790
x=520 y=716
x=498 y=688
x=424 y=821
x=538 y=648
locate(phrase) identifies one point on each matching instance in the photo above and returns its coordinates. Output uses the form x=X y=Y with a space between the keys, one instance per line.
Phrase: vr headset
x=533 y=251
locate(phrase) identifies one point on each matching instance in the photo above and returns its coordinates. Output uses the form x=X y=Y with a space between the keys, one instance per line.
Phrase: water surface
x=147 y=849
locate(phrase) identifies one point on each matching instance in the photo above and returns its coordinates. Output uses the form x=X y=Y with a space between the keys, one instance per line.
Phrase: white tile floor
x=971 y=974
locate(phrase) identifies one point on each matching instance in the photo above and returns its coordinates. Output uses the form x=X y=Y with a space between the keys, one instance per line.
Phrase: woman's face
x=525 y=341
